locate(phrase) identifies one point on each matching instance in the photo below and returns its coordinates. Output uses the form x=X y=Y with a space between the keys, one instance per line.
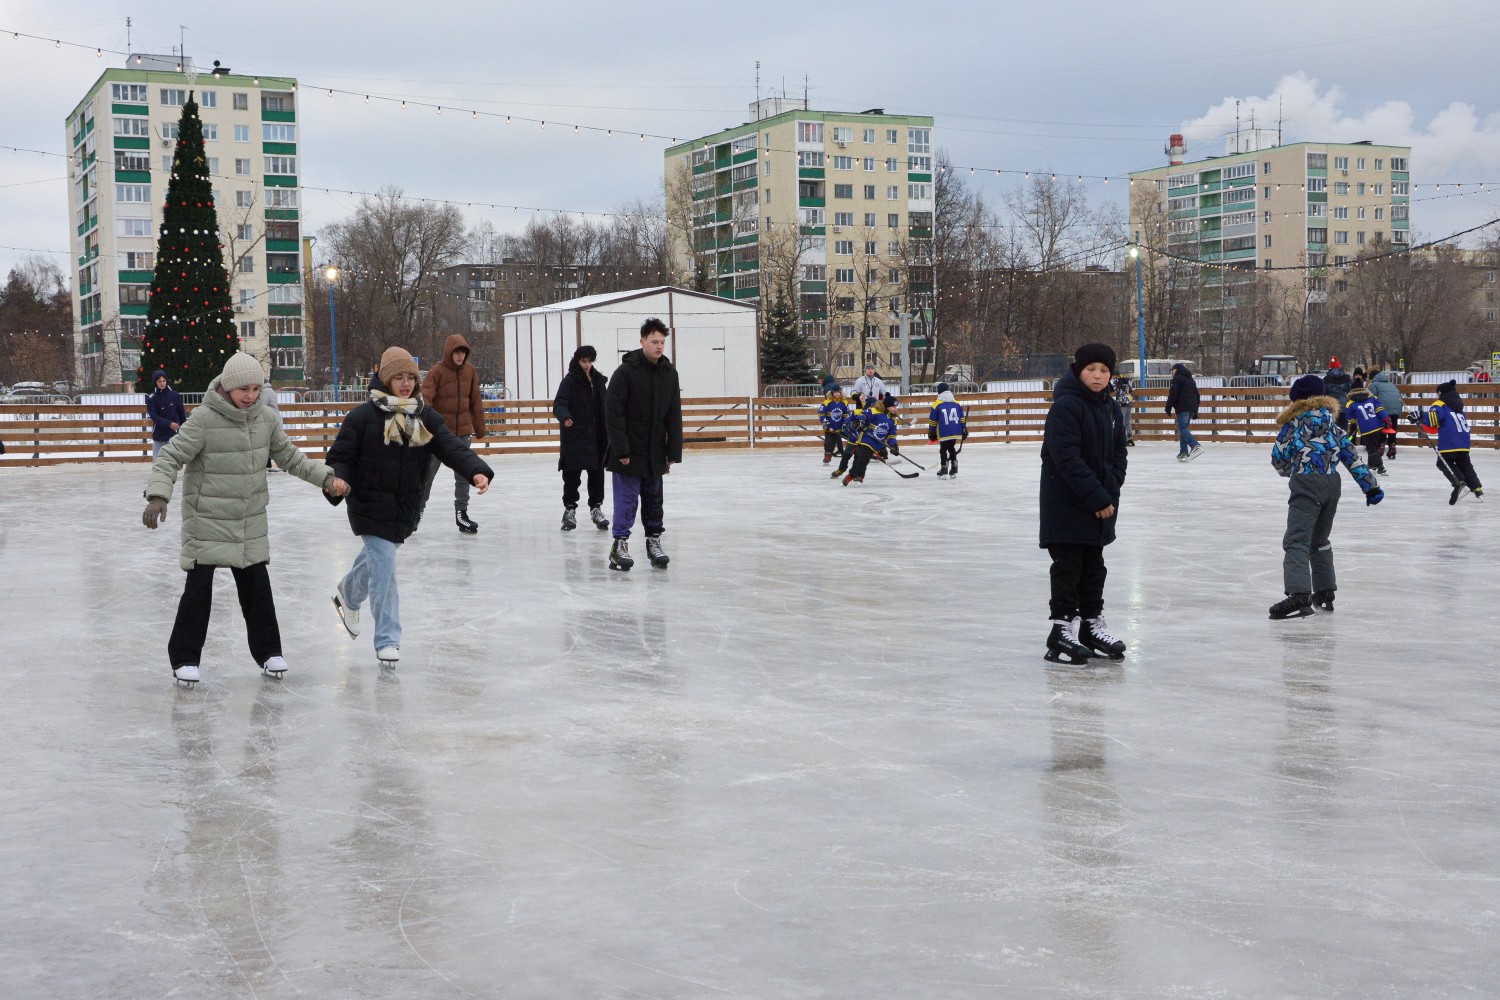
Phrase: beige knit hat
x=396 y=361
x=241 y=371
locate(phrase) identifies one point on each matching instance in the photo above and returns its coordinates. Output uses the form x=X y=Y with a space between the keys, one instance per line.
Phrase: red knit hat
x=1333 y=362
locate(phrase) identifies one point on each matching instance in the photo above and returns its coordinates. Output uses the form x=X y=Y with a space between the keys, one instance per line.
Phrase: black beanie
x=1090 y=353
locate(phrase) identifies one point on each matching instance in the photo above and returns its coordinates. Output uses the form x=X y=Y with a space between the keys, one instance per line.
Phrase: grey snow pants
x=1307 y=566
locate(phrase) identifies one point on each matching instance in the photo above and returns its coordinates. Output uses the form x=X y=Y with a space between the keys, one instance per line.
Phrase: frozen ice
x=819 y=756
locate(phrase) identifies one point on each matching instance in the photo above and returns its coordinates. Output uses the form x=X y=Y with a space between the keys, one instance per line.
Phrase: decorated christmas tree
x=190 y=327
x=783 y=348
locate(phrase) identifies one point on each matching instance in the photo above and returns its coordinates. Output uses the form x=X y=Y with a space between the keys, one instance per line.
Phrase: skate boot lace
x=1100 y=631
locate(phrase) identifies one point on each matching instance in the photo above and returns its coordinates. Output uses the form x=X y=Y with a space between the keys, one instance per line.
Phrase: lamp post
x=1140 y=318
x=332 y=274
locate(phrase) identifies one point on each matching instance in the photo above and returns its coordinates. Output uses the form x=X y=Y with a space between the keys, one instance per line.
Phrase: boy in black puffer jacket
x=382 y=452
x=1083 y=469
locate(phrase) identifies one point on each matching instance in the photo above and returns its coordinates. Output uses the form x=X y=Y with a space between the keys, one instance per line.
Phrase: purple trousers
x=633 y=491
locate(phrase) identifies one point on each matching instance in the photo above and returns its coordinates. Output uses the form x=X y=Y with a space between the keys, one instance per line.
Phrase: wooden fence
x=46 y=434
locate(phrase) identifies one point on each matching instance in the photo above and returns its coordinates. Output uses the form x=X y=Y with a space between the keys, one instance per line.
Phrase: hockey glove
x=894 y=449
x=932 y=435
x=1415 y=417
x=1373 y=497
x=156 y=509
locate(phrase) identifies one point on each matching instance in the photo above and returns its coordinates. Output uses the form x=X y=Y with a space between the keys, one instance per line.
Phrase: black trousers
x=948 y=453
x=862 y=458
x=196 y=606
x=1077 y=580
x=1374 y=443
x=571 y=479
x=1463 y=473
x=833 y=443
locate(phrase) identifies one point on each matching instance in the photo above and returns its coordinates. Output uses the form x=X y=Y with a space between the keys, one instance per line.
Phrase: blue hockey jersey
x=947 y=419
x=833 y=413
x=879 y=430
x=1364 y=413
x=1450 y=426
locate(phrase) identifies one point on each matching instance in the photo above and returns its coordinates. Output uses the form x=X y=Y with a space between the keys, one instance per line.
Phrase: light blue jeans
x=373 y=576
x=1185 y=440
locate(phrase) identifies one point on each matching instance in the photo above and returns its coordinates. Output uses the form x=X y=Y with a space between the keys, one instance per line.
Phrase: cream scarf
x=401 y=425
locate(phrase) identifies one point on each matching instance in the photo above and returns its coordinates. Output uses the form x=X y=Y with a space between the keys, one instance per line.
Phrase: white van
x=1130 y=368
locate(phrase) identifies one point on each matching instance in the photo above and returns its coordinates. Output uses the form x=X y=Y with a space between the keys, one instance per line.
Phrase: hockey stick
x=903 y=475
x=960 y=449
x=902 y=456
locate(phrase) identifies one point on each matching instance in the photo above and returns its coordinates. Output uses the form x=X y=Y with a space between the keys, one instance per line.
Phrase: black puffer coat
x=1337 y=384
x=385 y=480
x=644 y=404
x=580 y=398
x=1083 y=465
x=1183 y=393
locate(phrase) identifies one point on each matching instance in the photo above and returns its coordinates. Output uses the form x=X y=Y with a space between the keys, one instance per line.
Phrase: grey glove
x=156 y=510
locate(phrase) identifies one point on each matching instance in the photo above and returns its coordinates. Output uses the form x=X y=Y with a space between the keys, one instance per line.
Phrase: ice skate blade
x=387 y=664
x=274 y=675
x=339 y=606
x=618 y=568
x=185 y=685
x=1306 y=612
x=1066 y=659
x=1100 y=654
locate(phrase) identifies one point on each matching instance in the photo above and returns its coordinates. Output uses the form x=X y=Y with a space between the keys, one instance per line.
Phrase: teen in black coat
x=584 y=443
x=645 y=416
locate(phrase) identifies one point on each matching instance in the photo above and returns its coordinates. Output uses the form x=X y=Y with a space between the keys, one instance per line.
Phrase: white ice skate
x=349 y=616
x=388 y=656
x=185 y=675
x=274 y=668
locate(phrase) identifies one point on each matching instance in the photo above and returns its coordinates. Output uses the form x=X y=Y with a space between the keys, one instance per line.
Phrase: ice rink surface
x=820 y=756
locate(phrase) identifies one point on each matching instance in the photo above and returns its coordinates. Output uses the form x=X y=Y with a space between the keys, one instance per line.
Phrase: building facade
x=121 y=137
x=831 y=210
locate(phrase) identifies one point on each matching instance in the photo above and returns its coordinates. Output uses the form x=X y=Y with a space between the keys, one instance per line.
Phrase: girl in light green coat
x=222 y=450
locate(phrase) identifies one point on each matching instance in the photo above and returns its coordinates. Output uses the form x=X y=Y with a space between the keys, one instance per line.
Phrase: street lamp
x=332 y=274
x=1140 y=318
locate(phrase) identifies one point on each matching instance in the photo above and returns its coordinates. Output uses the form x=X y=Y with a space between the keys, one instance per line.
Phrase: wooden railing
x=47 y=434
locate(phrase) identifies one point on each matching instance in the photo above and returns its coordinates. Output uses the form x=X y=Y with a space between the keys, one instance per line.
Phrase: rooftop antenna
x=804 y=92
x=757 y=90
x=1236 y=124
x=127 y=38
x=1278 y=119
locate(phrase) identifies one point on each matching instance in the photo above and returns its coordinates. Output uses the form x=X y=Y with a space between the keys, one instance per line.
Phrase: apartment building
x=250 y=134
x=837 y=206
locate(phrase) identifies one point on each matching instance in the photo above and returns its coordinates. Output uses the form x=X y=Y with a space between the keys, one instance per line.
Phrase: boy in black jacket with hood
x=644 y=419
x=1083 y=469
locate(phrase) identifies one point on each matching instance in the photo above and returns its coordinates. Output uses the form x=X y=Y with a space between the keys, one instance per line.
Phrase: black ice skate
x=570 y=518
x=654 y=551
x=461 y=518
x=185 y=675
x=1062 y=644
x=1322 y=600
x=943 y=471
x=953 y=470
x=1292 y=606
x=619 y=556
x=1094 y=634
x=597 y=516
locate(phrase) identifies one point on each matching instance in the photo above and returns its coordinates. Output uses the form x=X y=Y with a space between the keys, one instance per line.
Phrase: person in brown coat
x=452 y=389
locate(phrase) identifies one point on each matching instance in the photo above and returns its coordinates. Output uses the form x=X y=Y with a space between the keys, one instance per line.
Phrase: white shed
x=711 y=341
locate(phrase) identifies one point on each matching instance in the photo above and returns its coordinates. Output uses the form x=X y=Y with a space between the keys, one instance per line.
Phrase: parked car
x=29 y=389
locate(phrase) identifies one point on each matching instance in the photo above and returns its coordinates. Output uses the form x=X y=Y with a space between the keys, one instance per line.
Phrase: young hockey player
x=1367 y=422
x=221 y=452
x=947 y=425
x=1445 y=421
x=1308 y=450
x=1083 y=470
x=876 y=439
x=854 y=426
x=832 y=415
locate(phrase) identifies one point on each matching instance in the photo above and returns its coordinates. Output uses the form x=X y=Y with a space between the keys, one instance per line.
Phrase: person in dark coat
x=164 y=407
x=644 y=420
x=1083 y=470
x=1183 y=397
x=382 y=452
x=584 y=442
x=1337 y=384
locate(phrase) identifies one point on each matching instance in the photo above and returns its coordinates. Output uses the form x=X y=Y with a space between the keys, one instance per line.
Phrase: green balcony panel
x=811 y=202
x=1317 y=196
x=286 y=340
x=278 y=116
x=811 y=230
x=281 y=215
x=281 y=278
x=132 y=142
x=282 y=246
x=136 y=277
x=744 y=157
x=134 y=309
x=288 y=374
x=279 y=148
x=810 y=173
x=132 y=177
x=129 y=109
x=284 y=309
x=919 y=178
x=280 y=181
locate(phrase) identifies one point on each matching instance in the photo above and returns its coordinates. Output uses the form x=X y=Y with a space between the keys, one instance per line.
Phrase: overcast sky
x=1092 y=88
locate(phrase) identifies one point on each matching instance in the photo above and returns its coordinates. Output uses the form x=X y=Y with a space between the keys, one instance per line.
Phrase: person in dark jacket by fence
x=382 y=452
x=1337 y=384
x=1183 y=397
x=579 y=407
x=644 y=407
x=164 y=407
x=1083 y=470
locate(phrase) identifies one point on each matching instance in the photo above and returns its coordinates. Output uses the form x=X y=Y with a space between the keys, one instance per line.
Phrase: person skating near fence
x=1383 y=386
x=854 y=426
x=1309 y=448
x=1126 y=399
x=221 y=452
x=1182 y=396
x=1337 y=383
x=1366 y=419
x=1083 y=473
x=164 y=407
x=877 y=438
x=584 y=442
x=1444 y=420
x=947 y=425
x=451 y=389
x=644 y=420
x=832 y=414
x=869 y=385
x=382 y=451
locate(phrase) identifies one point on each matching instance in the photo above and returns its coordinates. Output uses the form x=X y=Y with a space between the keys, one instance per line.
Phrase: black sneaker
x=1292 y=606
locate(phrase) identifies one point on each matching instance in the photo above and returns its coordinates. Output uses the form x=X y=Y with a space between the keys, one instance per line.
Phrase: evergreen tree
x=190 y=327
x=783 y=348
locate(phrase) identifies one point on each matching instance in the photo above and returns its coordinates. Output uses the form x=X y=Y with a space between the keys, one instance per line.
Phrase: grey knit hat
x=241 y=371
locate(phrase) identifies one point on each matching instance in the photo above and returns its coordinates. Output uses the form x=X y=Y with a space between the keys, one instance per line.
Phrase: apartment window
x=244 y=231
x=919 y=164
x=140 y=260
x=281 y=198
x=1359 y=188
x=1341 y=236
x=1268 y=192
x=1400 y=212
x=240 y=102
x=242 y=167
x=247 y=297
x=843 y=163
x=1267 y=241
x=892 y=165
x=843 y=190
x=285 y=294
x=1399 y=236
x=208 y=98
x=166 y=163
x=869 y=135
x=132 y=125
x=893 y=249
x=844 y=303
x=893 y=191
x=1239 y=195
x=247 y=264
x=1379 y=214
x=1341 y=163
x=1360 y=212
x=1398 y=163
x=919 y=140
x=127 y=160
x=871 y=249
x=1379 y=190
x=1319 y=183
x=247 y=329
x=274 y=102
x=287 y=133
x=1379 y=165
x=1359 y=238
x=127 y=93
x=1317 y=236
x=844 y=248
x=809 y=158
x=870 y=219
x=768 y=194
x=242 y=133
x=1239 y=170
x=809 y=131
x=284 y=165
x=870 y=164
x=244 y=199
x=1267 y=263
x=843 y=275
x=137 y=194
x=1317 y=161
x=893 y=220
x=173 y=97
x=1341 y=212
x=870 y=194
x=923 y=192
x=1340 y=260
x=1266 y=167
x=1400 y=187
x=1268 y=218
x=1360 y=163
x=814 y=272
x=135 y=295
x=843 y=218
x=1339 y=187
x=843 y=133
x=133 y=227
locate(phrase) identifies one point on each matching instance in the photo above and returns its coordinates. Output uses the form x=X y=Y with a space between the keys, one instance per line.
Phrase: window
x=843 y=163
x=1400 y=187
x=1359 y=238
x=923 y=192
x=1379 y=190
x=1188 y=202
x=1268 y=192
x=1379 y=214
x=1399 y=236
x=1400 y=212
x=132 y=125
x=1239 y=170
x=247 y=329
x=891 y=136
x=1239 y=195
x=843 y=133
x=893 y=220
x=871 y=249
x=209 y=98
x=244 y=231
x=808 y=158
x=843 y=190
x=1317 y=236
x=809 y=131
x=1360 y=163
x=919 y=140
x=1340 y=260
x=1317 y=161
x=1266 y=166
x=893 y=191
x=133 y=227
x=743 y=144
x=244 y=199
x=1267 y=263
x=247 y=264
x=870 y=163
x=1268 y=218
x=891 y=165
x=919 y=164
x=241 y=102
x=1359 y=188
x=1317 y=184
x=166 y=163
x=814 y=272
x=173 y=97
x=288 y=133
x=843 y=218
x=242 y=133
x=1341 y=212
x=870 y=219
x=810 y=216
x=768 y=193
x=869 y=135
x=169 y=130
x=210 y=132
x=844 y=248
x=135 y=295
x=1379 y=165
x=281 y=198
x=247 y=297
x=870 y=194
x=1341 y=163
x=275 y=102
x=1267 y=241
x=242 y=166
x=1182 y=180
x=285 y=294
x=284 y=165
x=844 y=303
x=137 y=194
x=1398 y=163
x=1341 y=236
x=843 y=275
x=127 y=93
x=1359 y=212
x=1339 y=187
x=127 y=160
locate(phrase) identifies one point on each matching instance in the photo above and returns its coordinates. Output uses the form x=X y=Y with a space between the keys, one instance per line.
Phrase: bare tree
x=36 y=323
x=1411 y=307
